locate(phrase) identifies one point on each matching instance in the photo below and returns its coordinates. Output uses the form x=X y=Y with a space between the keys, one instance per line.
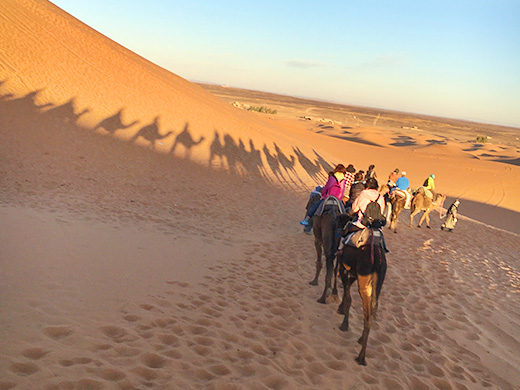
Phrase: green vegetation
x=262 y=109
x=481 y=139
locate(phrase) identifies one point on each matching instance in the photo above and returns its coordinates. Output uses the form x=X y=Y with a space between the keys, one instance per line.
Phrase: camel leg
x=393 y=222
x=344 y=307
x=319 y=263
x=336 y=273
x=427 y=217
x=413 y=214
x=328 y=283
x=368 y=296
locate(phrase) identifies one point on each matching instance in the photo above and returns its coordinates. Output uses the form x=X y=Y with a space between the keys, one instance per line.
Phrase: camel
x=421 y=202
x=368 y=266
x=398 y=201
x=327 y=241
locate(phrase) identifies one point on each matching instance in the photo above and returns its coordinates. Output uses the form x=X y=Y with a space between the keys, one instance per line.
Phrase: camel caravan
x=346 y=216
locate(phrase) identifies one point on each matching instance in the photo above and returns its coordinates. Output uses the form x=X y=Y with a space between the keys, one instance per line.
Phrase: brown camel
x=326 y=241
x=368 y=266
x=421 y=202
x=398 y=201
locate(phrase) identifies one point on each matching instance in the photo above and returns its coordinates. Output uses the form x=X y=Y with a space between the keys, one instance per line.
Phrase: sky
x=449 y=58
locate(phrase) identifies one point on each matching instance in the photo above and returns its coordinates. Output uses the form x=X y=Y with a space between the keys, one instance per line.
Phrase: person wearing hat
x=335 y=186
x=349 y=179
x=429 y=186
x=402 y=184
x=451 y=216
x=371 y=172
x=392 y=178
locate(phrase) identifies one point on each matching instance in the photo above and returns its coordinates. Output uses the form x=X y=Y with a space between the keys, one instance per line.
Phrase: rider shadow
x=66 y=112
x=313 y=169
x=150 y=133
x=216 y=149
x=324 y=164
x=26 y=103
x=185 y=139
x=273 y=163
x=114 y=123
x=288 y=165
x=254 y=161
x=230 y=149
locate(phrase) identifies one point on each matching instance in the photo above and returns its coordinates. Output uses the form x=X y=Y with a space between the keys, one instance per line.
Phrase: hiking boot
x=307 y=230
x=305 y=222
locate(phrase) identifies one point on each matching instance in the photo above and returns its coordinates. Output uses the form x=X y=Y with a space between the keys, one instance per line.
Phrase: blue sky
x=450 y=58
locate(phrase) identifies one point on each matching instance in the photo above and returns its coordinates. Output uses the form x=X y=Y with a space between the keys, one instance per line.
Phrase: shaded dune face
x=47 y=67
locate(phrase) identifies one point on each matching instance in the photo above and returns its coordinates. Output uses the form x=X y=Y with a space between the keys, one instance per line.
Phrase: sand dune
x=150 y=236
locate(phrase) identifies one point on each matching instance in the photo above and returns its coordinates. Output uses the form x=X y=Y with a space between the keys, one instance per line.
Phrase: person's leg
x=311 y=212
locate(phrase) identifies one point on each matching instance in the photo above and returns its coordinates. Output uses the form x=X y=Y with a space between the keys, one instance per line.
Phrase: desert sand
x=149 y=232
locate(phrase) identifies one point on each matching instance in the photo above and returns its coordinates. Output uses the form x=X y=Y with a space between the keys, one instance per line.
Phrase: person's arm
x=325 y=189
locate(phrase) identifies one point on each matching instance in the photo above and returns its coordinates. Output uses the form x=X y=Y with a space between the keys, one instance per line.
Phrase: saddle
x=365 y=237
x=400 y=193
x=329 y=205
x=426 y=192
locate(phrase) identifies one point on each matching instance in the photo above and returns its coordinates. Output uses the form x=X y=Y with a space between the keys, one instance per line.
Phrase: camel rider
x=392 y=178
x=369 y=194
x=429 y=186
x=335 y=186
x=402 y=184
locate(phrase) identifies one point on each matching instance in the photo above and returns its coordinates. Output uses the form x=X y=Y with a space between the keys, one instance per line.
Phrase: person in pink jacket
x=369 y=194
x=335 y=187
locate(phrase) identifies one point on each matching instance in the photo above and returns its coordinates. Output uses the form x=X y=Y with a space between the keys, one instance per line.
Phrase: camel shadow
x=114 y=123
x=185 y=139
x=150 y=133
x=66 y=112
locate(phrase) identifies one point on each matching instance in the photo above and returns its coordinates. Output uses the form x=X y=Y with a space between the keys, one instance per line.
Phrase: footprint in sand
x=58 y=332
x=152 y=360
x=117 y=334
x=24 y=369
x=75 y=361
x=34 y=353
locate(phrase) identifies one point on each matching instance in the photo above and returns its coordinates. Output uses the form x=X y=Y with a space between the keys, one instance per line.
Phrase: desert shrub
x=263 y=110
x=481 y=139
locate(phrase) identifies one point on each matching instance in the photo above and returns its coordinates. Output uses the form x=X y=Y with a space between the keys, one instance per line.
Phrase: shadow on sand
x=239 y=156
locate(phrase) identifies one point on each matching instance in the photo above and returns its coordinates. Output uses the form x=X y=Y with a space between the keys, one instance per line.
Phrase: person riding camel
x=355 y=189
x=335 y=186
x=402 y=185
x=429 y=186
x=371 y=172
x=369 y=194
x=392 y=178
x=349 y=179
